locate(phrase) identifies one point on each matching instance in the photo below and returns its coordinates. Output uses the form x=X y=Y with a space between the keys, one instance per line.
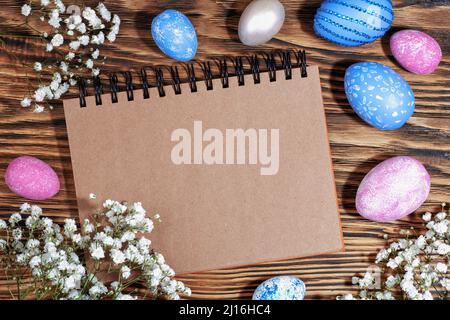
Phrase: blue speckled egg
x=379 y=95
x=353 y=23
x=280 y=288
x=175 y=35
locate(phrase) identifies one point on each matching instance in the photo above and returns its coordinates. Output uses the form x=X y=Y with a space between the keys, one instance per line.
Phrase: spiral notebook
x=235 y=159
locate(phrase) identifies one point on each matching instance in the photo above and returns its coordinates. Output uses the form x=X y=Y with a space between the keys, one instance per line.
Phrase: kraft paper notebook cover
x=214 y=215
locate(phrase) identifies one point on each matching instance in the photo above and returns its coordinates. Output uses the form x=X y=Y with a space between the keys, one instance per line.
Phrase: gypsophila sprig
x=74 y=37
x=52 y=258
x=414 y=268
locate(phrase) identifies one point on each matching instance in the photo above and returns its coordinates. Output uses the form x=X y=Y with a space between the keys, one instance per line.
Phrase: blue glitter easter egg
x=353 y=23
x=280 y=288
x=379 y=95
x=175 y=35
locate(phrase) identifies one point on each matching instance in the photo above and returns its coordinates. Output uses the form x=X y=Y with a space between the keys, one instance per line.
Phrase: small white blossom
x=96 y=251
x=426 y=216
x=37 y=66
x=125 y=272
x=26 y=10
x=89 y=64
x=26 y=102
x=57 y=40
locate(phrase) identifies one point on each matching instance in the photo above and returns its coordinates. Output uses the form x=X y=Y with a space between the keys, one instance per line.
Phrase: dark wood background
x=355 y=146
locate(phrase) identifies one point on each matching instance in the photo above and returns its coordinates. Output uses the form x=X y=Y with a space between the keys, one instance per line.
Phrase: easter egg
x=416 y=51
x=31 y=178
x=260 y=21
x=353 y=23
x=175 y=35
x=280 y=288
x=379 y=95
x=393 y=189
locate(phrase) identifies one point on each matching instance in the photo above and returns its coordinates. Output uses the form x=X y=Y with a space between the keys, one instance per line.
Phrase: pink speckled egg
x=416 y=51
x=31 y=178
x=393 y=189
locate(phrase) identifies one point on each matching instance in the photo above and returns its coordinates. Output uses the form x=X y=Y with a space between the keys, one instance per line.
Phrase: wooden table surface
x=356 y=147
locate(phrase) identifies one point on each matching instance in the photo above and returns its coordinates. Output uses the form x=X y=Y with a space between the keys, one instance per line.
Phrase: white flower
x=426 y=216
x=96 y=251
x=3 y=224
x=37 y=66
x=443 y=249
x=45 y=3
x=84 y=40
x=3 y=245
x=26 y=102
x=70 y=226
x=440 y=228
x=441 y=216
x=81 y=28
x=98 y=39
x=74 y=45
x=90 y=15
x=54 y=20
x=125 y=272
x=26 y=10
x=89 y=64
x=57 y=40
x=116 y=20
x=95 y=54
x=60 y=5
x=17 y=234
x=15 y=218
x=88 y=227
x=441 y=267
x=445 y=283
x=64 y=67
x=95 y=72
x=111 y=36
x=35 y=261
x=104 y=13
x=49 y=47
x=117 y=256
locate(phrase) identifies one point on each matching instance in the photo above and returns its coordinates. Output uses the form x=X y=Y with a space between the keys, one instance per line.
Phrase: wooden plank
x=356 y=147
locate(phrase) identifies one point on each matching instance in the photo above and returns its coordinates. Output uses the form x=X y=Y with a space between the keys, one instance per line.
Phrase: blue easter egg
x=379 y=95
x=175 y=35
x=280 y=288
x=353 y=23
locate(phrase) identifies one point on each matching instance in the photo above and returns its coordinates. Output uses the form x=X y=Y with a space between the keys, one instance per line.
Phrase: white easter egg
x=260 y=21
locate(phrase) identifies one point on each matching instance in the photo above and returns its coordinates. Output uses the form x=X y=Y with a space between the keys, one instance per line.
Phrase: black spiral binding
x=273 y=61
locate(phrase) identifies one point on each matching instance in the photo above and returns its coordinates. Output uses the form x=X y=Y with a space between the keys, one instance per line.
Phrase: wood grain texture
x=356 y=147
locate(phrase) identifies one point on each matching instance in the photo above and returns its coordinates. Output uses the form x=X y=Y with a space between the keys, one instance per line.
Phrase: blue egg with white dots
x=280 y=288
x=353 y=23
x=379 y=95
x=175 y=35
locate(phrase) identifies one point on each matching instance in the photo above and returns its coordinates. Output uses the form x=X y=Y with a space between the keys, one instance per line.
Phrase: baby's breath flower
x=412 y=265
x=37 y=66
x=26 y=10
x=57 y=40
x=426 y=216
x=26 y=102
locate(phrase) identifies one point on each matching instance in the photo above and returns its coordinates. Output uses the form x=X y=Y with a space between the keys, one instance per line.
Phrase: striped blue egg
x=379 y=95
x=175 y=35
x=353 y=23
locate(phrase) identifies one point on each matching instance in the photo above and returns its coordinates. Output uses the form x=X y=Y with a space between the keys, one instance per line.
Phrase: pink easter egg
x=416 y=51
x=393 y=189
x=31 y=178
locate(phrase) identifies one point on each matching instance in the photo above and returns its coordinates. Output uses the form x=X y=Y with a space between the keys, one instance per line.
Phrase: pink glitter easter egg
x=31 y=178
x=393 y=189
x=416 y=51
